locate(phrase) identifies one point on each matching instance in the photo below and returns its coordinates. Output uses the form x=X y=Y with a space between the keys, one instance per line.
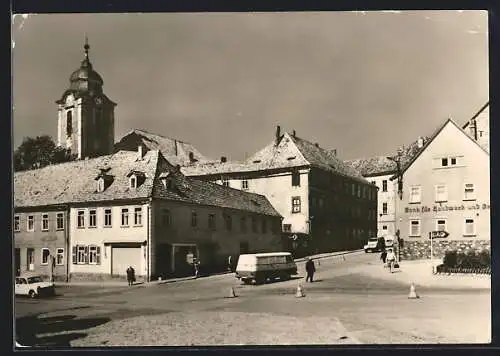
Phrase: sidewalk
x=123 y=283
x=420 y=273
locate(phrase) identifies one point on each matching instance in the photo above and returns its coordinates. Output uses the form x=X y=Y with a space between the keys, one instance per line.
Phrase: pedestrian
x=383 y=256
x=229 y=265
x=310 y=269
x=391 y=259
x=196 y=264
x=130 y=275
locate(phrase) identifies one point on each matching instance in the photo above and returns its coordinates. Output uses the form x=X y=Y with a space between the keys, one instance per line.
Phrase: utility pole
x=398 y=160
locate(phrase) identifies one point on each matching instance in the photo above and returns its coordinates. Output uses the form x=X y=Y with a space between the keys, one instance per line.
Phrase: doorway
x=17 y=261
x=164 y=260
x=181 y=267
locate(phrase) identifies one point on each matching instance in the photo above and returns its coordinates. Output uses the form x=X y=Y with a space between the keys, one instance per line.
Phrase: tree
x=39 y=152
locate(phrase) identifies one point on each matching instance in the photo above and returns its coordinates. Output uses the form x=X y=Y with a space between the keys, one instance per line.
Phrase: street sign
x=438 y=234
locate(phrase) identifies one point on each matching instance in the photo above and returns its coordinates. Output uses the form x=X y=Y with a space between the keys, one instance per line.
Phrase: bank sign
x=440 y=208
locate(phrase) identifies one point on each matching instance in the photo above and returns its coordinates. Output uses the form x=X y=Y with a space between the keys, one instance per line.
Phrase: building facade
x=325 y=204
x=41 y=238
x=478 y=127
x=446 y=186
x=136 y=209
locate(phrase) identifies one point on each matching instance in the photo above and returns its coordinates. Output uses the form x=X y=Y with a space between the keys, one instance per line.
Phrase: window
x=287 y=227
x=244 y=184
x=384 y=227
x=414 y=227
x=69 y=123
x=30 y=256
x=45 y=222
x=453 y=161
x=94 y=255
x=295 y=179
x=469 y=192
x=469 y=229
x=211 y=222
x=264 y=226
x=353 y=189
x=359 y=191
x=229 y=222
x=60 y=256
x=364 y=192
x=80 y=255
x=31 y=223
x=225 y=182
x=92 y=218
x=440 y=225
x=373 y=182
x=133 y=182
x=254 y=224
x=107 y=217
x=384 y=208
x=17 y=223
x=444 y=162
x=441 y=193
x=45 y=256
x=60 y=221
x=295 y=204
x=243 y=224
x=166 y=218
x=384 y=185
x=138 y=216
x=415 y=194
x=194 y=219
x=100 y=185
x=80 y=220
x=125 y=217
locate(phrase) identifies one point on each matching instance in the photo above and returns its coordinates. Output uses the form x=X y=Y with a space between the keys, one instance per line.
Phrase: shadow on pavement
x=28 y=328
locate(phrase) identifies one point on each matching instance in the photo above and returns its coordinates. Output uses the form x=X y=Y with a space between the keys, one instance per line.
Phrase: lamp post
x=397 y=159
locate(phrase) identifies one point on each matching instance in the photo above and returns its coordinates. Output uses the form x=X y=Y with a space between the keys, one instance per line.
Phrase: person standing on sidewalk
x=130 y=275
x=196 y=264
x=310 y=269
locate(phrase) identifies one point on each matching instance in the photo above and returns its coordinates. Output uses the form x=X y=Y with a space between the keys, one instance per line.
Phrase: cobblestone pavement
x=345 y=304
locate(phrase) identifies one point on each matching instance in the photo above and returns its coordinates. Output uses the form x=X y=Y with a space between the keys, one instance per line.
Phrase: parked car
x=34 y=286
x=259 y=267
x=389 y=241
x=371 y=245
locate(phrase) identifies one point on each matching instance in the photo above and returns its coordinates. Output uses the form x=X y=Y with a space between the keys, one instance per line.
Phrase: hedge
x=470 y=262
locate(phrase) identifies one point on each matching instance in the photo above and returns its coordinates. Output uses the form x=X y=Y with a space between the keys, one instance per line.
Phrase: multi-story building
x=135 y=208
x=445 y=186
x=379 y=170
x=325 y=204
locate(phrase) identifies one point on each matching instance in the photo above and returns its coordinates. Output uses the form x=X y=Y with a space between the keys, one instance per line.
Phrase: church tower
x=85 y=114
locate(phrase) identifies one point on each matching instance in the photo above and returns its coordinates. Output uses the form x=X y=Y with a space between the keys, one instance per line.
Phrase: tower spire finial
x=86 y=46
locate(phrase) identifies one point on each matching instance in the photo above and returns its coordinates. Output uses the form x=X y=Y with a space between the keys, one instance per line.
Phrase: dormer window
x=133 y=182
x=104 y=180
x=165 y=180
x=100 y=185
x=136 y=178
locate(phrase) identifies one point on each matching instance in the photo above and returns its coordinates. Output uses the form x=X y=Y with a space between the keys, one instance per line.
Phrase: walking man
x=130 y=275
x=196 y=263
x=310 y=269
x=391 y=259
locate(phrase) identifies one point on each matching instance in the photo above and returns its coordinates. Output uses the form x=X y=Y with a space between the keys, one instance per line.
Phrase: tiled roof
x=373 y=165
x=175 y=151
x=290 y=152
x=74 y=182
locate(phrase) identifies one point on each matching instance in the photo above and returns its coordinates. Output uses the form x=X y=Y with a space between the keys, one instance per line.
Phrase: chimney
x=278 y=134
x=175 y=145
x=191 y=157
x=473 y=129
x=316 y=144
x=294 y=134
x=223 y=159
x=139 y=152
x=420 y=142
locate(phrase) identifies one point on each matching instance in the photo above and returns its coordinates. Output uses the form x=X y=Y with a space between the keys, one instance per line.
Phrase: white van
x=259 y=267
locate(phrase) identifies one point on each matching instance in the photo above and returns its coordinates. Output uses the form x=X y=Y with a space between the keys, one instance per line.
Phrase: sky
x=364 y=83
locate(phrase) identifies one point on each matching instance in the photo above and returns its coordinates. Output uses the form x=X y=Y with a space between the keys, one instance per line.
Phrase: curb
x=333 y=254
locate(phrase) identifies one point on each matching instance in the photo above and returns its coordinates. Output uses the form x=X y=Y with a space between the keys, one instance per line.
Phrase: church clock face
x=98 y=100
